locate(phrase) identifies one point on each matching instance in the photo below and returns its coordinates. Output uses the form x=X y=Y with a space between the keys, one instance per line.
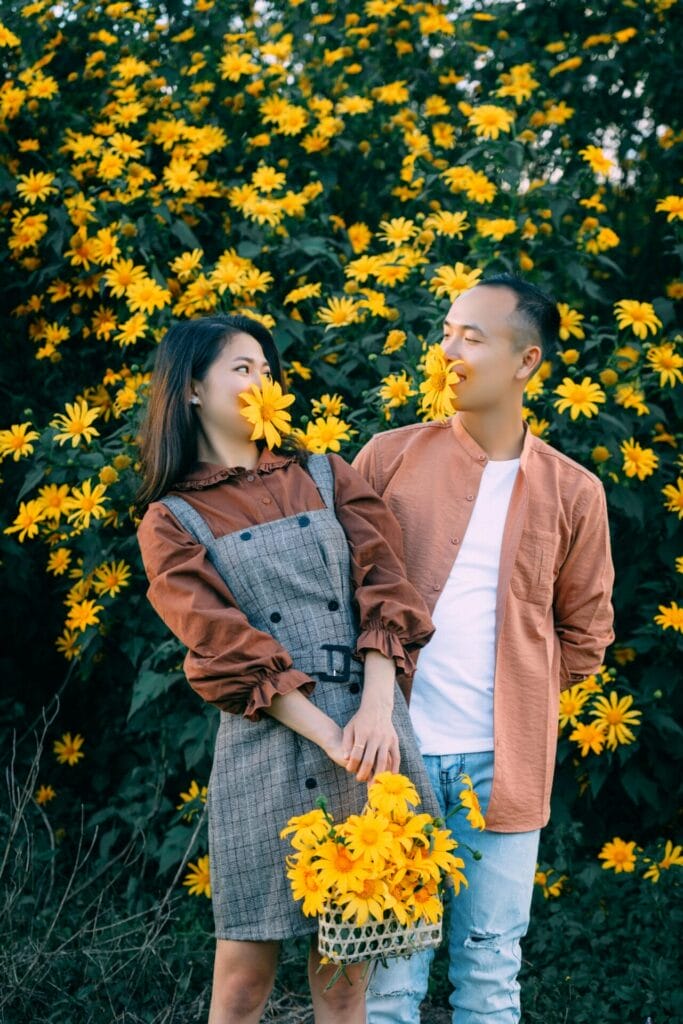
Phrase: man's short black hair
x=535 y=311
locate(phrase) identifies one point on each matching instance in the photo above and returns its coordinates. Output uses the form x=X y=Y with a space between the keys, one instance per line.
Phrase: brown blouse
x=229 y=662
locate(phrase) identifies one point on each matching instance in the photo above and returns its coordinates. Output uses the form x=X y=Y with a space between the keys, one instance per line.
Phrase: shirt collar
x=205 y=474
x=477 y=453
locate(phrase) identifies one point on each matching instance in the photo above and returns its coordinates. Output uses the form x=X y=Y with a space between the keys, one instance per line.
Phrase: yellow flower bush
x=341 y=173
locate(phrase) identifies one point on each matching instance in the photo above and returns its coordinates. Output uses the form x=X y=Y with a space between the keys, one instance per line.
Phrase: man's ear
x=530 y=361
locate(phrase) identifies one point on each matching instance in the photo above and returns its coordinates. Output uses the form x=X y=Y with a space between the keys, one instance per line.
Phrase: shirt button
x=251 y=477
x=455 y=540
x=310 y=783
x=436 y=587
x=333 y=606
x=470 y=497
x=482 y=458
x=354 y=688
x=266 y=501
x=303 y=521
x=275 y=617
x=245 y=536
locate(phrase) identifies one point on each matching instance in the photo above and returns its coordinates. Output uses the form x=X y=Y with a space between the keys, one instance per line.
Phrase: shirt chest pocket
x=533 y=574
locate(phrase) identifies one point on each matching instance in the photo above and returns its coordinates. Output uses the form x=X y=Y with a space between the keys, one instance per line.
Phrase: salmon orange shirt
x=553 y=609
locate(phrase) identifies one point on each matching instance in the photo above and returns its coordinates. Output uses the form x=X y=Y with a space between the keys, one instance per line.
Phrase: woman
x=282 y=574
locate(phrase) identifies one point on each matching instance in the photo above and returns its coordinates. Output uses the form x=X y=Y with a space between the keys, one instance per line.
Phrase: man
x=507 y=540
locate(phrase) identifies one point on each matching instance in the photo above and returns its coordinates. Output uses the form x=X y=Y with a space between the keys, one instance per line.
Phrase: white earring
x=194 y=400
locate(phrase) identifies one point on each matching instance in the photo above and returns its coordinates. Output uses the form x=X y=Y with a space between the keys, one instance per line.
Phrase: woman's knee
x=343 y=998
x=346 y=994
x=244 y=977
x=243 y=992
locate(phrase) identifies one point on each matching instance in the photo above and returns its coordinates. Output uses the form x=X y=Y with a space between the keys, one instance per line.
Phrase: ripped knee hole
x=482 y=940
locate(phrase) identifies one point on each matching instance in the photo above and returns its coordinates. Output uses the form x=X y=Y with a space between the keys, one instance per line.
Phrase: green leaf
x=149 y=686
x=662 y=722
x=174 y=847
x=629 y=502
x=185 y=235
x=33 y=478
x=134 y=647
x=640 y=788
x=312 y=246
x=249 y=250
x=197 y=738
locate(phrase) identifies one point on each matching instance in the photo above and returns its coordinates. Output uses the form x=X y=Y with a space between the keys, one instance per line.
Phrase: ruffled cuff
x=277 y=683
x=411 y=655
x=377 y=638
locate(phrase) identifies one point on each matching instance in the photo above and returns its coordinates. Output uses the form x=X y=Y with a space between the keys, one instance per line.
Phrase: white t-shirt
x=451 y=704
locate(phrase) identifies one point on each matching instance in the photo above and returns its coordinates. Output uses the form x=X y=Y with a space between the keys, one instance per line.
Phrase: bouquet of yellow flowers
x=376 y=880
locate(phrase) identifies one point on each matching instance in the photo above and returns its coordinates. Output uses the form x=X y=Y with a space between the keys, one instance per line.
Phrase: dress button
x=251 y=477
x=310 y=783
x=304 y=521
x=354 y=688
x=276 y=617
x=436 y=587
x=266 y=501
x=245 y=536
x=455 y=540
x=482 y=458
x=333 y=606
x=470 y=497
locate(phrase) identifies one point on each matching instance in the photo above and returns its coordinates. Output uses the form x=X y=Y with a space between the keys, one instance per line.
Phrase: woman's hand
x=371 y=743
x=368 y=744
x=369 y=737
x=335 y=747
x=297 y=712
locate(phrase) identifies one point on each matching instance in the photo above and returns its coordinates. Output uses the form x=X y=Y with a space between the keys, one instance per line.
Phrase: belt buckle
x=335 y=675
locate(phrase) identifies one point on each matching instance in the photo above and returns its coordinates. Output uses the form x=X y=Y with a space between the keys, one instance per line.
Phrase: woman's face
x=240 y=363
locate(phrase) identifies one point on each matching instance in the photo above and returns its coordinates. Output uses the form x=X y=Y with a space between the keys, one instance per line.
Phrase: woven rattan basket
x=347 y=943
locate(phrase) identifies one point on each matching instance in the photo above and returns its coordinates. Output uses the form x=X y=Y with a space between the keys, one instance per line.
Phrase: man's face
x=479 y=329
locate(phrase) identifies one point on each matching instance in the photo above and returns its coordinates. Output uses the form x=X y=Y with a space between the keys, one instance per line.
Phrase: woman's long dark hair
x=168 y=434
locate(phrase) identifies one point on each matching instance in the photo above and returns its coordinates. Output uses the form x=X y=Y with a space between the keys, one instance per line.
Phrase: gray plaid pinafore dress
x=292 y=579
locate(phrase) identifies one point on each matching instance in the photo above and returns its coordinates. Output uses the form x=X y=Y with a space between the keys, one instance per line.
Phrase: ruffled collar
x=205 y=474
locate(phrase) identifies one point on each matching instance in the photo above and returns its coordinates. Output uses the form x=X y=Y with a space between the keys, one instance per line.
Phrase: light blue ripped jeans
x=487 y=919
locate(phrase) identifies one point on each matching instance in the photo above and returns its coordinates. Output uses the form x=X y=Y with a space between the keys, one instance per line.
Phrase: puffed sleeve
x=229 y=663
x=393 y=617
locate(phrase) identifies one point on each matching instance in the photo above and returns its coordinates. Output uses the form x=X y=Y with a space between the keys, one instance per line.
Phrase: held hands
x=334 y=746
x=368 y=744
